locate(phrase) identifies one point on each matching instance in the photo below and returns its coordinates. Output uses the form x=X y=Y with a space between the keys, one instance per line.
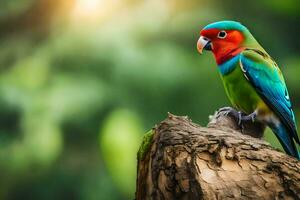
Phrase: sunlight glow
x=92 y=9
x=88 y=9
x=88 y=6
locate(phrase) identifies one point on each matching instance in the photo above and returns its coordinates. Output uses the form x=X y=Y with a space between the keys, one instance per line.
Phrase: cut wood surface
x=182 y=160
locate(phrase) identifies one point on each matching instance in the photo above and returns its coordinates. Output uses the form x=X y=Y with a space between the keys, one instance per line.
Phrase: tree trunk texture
x=187 y=161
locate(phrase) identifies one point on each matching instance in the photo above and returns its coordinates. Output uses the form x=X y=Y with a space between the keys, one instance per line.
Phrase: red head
x=225 y=39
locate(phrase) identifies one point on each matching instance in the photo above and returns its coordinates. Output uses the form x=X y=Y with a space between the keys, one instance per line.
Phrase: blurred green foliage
x=82 y=80
x=119 y=141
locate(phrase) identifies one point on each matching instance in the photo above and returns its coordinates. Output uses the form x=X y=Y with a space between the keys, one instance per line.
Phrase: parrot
x=252 y=80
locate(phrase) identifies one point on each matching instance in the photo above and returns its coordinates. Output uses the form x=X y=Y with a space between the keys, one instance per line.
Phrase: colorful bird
x=252 y=80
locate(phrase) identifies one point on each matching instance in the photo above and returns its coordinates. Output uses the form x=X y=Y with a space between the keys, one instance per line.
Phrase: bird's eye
x=222 y=34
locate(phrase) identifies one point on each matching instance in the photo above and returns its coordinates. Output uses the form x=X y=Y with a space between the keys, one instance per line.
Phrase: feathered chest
x=228 y=66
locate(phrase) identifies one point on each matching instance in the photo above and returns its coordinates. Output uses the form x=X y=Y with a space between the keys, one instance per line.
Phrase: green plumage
x=255 y=84
x=239 y=91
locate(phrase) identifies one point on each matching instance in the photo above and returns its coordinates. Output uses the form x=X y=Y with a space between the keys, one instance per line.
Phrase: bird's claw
x=225 y=111
x=238 y=115
x=239 y=118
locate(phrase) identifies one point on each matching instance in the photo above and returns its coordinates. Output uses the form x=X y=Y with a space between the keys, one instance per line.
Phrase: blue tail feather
x=285 y=139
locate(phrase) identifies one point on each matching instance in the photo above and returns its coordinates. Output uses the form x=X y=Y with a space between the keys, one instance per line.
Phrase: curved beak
x=203 y=43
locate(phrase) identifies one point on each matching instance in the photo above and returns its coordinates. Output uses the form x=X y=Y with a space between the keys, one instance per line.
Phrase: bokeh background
x=81 y=81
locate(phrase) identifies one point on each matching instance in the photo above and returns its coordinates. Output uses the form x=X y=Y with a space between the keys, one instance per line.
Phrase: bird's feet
x=238 y=115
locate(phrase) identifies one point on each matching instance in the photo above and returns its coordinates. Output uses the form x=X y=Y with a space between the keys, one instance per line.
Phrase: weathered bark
x=185 y=161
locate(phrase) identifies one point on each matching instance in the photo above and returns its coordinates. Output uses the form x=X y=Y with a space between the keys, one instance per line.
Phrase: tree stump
x=182 y=160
